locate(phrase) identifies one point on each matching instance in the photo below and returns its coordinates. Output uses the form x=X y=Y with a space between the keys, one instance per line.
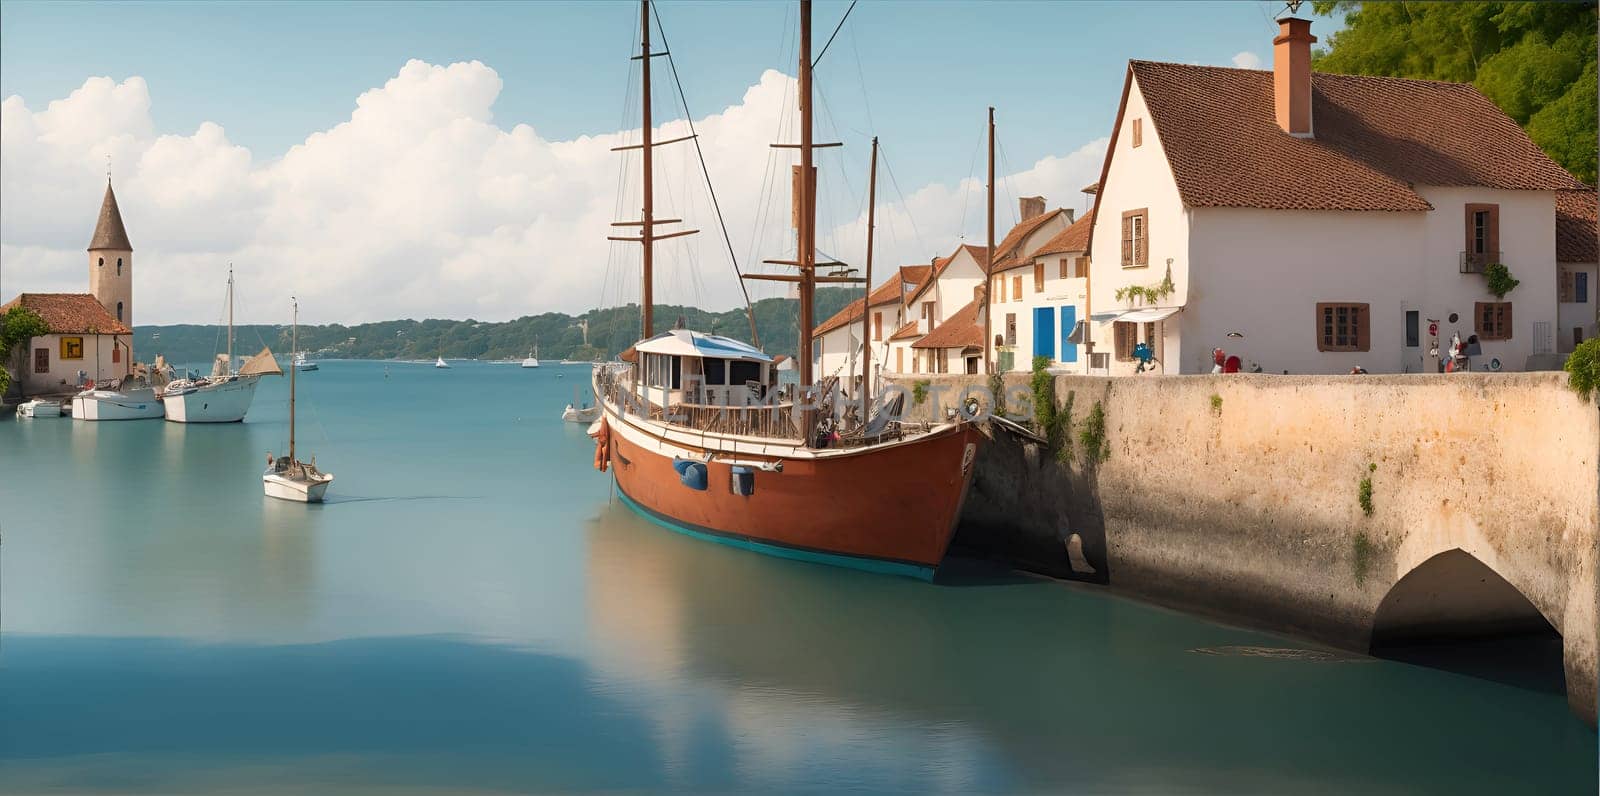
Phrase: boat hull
x=890 y=508
x=530 y=363
x=101 y=405
x=277 y=486
x=225 y=402
x=39 y=409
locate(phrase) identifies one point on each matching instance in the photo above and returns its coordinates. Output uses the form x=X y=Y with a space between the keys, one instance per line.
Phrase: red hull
x=894 y=505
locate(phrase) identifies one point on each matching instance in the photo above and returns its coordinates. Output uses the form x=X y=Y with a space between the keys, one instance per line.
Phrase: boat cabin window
x=662 y=370
x=742 y=371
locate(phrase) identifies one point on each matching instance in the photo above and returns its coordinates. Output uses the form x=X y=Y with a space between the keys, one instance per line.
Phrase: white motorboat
x=225 y=395
x=288 y=478
x=580 y=414
x=303 y=364
x=130 y=398
x=39 y=408
x=533 y=358
x=440 y=363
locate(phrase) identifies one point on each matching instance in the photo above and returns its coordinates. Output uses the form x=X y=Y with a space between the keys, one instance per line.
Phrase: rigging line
x=732 y=258
x=883 y=157
x=836 y=28
x=966 y=195
x=1007 y=172
x=861 y=78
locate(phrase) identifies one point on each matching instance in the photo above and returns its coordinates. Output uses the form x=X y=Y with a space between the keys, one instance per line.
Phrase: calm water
x=471 y=612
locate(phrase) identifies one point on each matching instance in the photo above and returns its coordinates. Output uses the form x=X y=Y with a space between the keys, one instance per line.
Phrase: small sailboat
x=580 y=412
x=127 y=398
x=440 y=363
x=301 y=363
x=288 y=478
x=533 y=358
x=225 y=396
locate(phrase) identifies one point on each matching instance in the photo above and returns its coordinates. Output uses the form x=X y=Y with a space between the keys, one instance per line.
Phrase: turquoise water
x=473 y=612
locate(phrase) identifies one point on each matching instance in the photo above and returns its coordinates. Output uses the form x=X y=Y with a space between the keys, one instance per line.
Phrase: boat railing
x=770 y=415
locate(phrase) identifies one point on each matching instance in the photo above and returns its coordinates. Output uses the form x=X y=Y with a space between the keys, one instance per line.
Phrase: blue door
x=1044 y=332
x=1069 y=320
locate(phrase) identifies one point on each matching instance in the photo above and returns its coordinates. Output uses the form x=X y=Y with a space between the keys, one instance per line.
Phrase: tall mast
x=647 y=234
x=808 y=210
x=866 y=299
x=230 y=318
x=294 y=345
x=988 y=289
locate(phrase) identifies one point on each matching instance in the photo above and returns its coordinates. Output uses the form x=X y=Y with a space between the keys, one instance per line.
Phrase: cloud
x=420 y=205
x=1247 y=60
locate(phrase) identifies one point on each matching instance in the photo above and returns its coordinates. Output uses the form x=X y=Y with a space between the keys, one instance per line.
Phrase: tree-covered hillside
x=558 y=335
x=1537 y=61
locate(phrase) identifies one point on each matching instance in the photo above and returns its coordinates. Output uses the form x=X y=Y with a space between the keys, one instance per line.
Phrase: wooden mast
x=988 y=288
x=807 y=244
x=866 y=297
x=230 y=320
x=294 y=345
x=647 y=232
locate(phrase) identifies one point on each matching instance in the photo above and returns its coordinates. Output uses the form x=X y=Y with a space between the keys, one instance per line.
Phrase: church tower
x=111 y=261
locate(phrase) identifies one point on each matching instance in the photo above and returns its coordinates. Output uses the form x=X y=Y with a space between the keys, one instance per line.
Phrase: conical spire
x=108 y=231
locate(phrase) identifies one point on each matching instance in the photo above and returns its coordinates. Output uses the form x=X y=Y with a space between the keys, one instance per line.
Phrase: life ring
x=602 y=442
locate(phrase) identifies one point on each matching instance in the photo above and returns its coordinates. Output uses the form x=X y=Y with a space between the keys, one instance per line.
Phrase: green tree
x=17 y=326
x=1535 y=60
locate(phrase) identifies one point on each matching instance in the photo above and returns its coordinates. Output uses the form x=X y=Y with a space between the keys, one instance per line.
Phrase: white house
x=836 y=342
x=1036 y=289
x=91 y=334
x=951 y=284
x=1312 y=223
x=1576 y=259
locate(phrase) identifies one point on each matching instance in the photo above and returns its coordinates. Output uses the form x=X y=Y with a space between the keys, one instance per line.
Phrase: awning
x=1146 y=315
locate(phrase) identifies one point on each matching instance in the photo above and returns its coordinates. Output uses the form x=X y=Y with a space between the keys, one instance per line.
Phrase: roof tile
x=958 y=331
x=1576 y=230
x=70 y=313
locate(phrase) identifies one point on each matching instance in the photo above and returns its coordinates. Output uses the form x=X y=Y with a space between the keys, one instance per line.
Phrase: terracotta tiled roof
x=886 y=293
x=961 y=330
x=914 y=275
x=979 y=254
x=1006 y=251
x=1375 y=137
x=905 y=332
x=1075 y=238
x=70 y=313
x=108 y=230
x=1576 y=230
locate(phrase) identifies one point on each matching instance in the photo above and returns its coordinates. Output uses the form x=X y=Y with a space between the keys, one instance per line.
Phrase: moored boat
x=39 y=408
x=440 y=363
x=702 y=439
x=128 y=398
x=286 y=477
x=580 y=414
x=301 y=363
x=533 y=358
x=225 y=395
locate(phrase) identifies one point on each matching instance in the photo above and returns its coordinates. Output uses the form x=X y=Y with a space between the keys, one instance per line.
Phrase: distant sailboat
x=440 y=363
x=288 y=478
x=301 y=363
x=533 y=358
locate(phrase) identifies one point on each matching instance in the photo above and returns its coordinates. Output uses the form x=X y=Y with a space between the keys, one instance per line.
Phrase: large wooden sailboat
x=701 y=437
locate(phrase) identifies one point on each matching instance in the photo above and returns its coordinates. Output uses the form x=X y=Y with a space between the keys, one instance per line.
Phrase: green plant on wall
x=1148 y=294
x=1216 y=403
x=997 y=388
x=919 y=392
x=1093 y=435
x=1364 y=490
x=1499 y=279
x=1583 y=368
x=1064 y=424
x=1361 y=557
x=17 y=327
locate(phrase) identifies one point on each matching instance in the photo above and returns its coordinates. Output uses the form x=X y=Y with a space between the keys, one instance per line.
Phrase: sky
x=453 y=160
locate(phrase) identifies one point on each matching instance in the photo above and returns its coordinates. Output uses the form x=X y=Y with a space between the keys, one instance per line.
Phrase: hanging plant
x=1500 y=280
x=1148 y=294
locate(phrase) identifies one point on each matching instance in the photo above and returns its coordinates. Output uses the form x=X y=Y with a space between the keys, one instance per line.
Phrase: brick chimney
x=1031 y=207
x=1291 y=76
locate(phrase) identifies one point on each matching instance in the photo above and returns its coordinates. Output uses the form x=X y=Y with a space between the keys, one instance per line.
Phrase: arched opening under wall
x=1455 y=613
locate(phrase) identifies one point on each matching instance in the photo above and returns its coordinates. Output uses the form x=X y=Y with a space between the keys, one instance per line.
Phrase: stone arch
x=1453 y=611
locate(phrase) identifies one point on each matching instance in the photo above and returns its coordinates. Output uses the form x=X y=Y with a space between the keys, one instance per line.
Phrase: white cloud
x=420 y=205
x=1247 y=60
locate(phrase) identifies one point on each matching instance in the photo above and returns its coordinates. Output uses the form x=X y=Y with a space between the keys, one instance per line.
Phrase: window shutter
x=1141 y=251
x=1016 y=288
x=1478 y=309
x=1505 y=321
x=1494 y=232
x=1564 y=290
x=1363 y=321
x=1127 y=240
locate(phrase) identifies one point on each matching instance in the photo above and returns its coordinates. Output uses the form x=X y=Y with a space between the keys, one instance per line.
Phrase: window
x=1413 y=328
x=1494 y=319
x=72 y=348
x=1124 y=333
x=1342 y=327
x=1138 y=132
x=1011 y=328
x=999 y=288
x=1016 y=288
x=1038 y=277
x=1483 y=233
x=119 y=311
x=899 y=360
x=41 y=360
x=1066 y=268
x=119 y=266
x=1580 y=284
x=877 y=326
x=101 y=263
x=1135 y=238
x=116 y=354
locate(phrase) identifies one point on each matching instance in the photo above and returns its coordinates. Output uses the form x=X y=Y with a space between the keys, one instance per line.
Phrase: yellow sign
x=72 y=348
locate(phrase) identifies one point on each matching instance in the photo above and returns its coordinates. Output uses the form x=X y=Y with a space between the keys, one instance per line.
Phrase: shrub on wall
x=1093 y=435
x=1500 y=280
x=919 y=392
x=1583 y=368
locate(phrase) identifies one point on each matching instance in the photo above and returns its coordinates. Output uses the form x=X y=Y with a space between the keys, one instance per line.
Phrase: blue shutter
x=1069 y=320
x=1044 y=332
